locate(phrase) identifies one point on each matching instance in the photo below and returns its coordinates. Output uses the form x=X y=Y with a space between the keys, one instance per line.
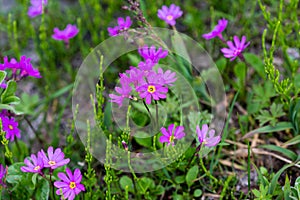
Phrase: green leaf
x=11 y=100
x=256 y=63
x=288 y=153
x=19 y=154
x=2 y=76
x=27 y=104
x=275 y=178
x=143 y=139
x=8 y=107
x=125 y=181
x=146 y=183
x=197 y=193
x=280 y=126
x=180 y=179
x=10 y=90
x=287 y=188
x=221 y=64
x=293 y=141
x=14 y=173
x=265 y=116
x=240 y=73
x=191 y=175
x=43 y=190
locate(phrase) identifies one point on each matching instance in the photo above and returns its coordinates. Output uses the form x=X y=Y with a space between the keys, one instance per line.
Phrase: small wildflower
x=34 y=165
x=124 y=92
x=10 y=126
x=123 y=25
x=69 y=32
x=236 y=49
x=217 y=31
x=150 y=53
x=55 y=158
x=152 y=88
x=168 y=77
x=169 y=15
x=2 y=175
x=170 y=135
x=26 y=68
x=70 y=185
x=206 y=137
x=36 y=7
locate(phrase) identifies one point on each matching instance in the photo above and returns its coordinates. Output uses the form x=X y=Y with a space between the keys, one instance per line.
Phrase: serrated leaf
x=191 y=175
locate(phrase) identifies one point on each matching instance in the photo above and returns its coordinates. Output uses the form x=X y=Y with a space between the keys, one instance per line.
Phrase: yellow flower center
x=52 y=163
x=10 y=127
x=169 y=17
x=171 y=139
x=72 y=185
x=151 y=89
x=37 y=168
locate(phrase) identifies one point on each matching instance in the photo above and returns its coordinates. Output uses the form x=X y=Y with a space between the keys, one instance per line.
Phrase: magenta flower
x=34 y=165
x=152 y=88
x=135 y=76
x=69 y=32
x=168 y=77
x=217 y=31
x=147 y=65
x=55 y=159
x=170 y=135
x=26 y=68
x=169 y=15
x=150 y=53
x=36 y=7
x=124 y=92
x=70 y=185
x=10 y=126
x=2 y=175
x=236 y=49
x=123 y=25
x=206 y=137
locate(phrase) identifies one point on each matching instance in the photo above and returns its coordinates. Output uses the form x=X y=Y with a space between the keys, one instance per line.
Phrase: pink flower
x=170 y=135
x=150 y=53
x=123 y=25
x=217 y=31
x=236 y=49
x=34 y=165
x=70 y=185
x=69 y=32
x=2 y=175
x=36 y=7
x=54 y=159
x=206 y=137
x=10 y=126
x=168 y=77
x=169 y=15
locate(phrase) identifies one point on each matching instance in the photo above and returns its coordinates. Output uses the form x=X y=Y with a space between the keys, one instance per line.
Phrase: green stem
x=203 y=167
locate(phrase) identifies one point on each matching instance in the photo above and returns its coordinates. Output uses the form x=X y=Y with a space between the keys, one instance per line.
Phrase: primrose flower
x=123 y=25
x=2 y=175
x=150 y=53
x=36 y=7
x=169 y=15
x=70 y=185
x=26 y=68
x=168 y=77
x=69 y=32
x=206 y=137
x=217 y=31
x=152 y=89
x=124 y=92
x=170 y=135
x=34 y=165
x=10 y=126
x=55 y=158
x=236 y=49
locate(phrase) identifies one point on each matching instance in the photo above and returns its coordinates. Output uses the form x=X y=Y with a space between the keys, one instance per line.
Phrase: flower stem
x=204 y=169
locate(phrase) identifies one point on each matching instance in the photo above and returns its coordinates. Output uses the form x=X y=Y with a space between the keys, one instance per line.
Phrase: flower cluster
x=20 y=69
x=235 y=49
x=52 y=160
x=123 y=25
x=2 y=175
x=36 y=8
x=143 y=80
x=69 y=186
x=69 y=32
